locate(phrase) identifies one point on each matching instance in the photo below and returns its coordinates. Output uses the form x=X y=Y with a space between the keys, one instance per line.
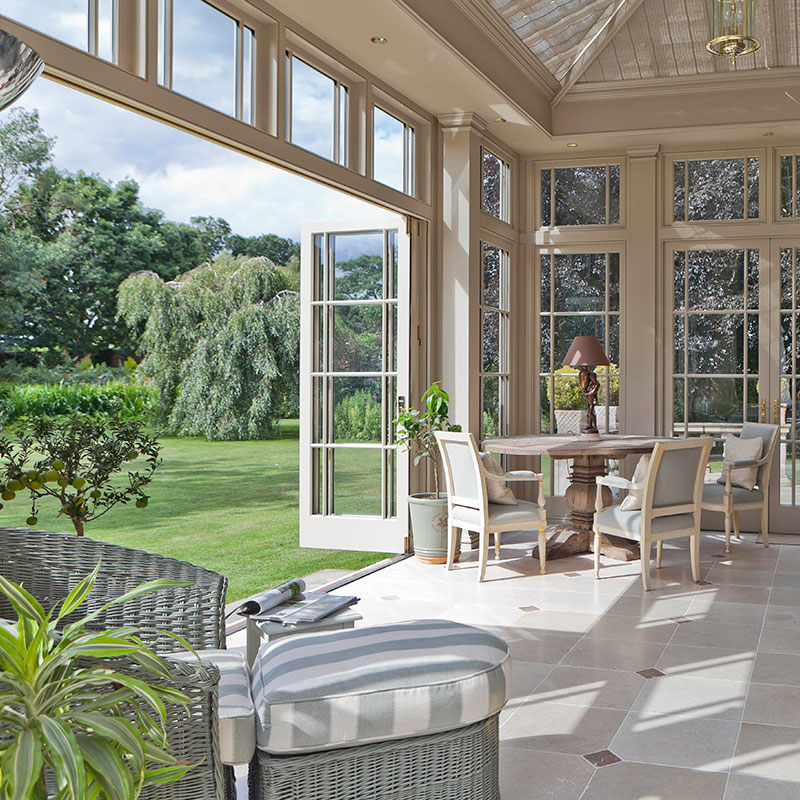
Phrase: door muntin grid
x=354 y=374
x=495 y=339
x=788 y=402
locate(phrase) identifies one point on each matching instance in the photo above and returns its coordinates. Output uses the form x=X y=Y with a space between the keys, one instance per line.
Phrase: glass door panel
x=354 y=367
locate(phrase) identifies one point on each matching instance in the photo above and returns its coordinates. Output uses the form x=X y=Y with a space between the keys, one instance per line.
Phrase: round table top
x=559 y=446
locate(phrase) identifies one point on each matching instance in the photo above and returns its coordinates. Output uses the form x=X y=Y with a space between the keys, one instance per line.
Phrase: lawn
x=228 y=506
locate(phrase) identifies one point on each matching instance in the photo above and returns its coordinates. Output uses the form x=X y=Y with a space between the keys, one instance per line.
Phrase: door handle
x=775 y=412
x=763 y=414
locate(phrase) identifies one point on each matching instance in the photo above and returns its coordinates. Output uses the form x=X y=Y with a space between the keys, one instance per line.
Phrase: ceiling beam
x=622 y=13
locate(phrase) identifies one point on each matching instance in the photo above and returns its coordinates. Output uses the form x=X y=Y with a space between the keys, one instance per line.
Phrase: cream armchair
x=469 y=508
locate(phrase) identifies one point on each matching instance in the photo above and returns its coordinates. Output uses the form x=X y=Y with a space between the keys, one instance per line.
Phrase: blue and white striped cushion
x=342 y=688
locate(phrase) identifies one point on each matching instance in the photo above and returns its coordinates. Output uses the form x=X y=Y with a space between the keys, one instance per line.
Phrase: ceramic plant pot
x=429 y=528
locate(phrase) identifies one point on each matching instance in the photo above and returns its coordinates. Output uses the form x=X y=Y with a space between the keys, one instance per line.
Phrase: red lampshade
x=585 y=351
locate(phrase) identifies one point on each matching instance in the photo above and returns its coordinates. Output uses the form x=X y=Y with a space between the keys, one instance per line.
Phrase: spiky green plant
x=64 y=710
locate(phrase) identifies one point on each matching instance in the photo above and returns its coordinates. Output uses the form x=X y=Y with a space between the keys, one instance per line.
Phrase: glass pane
x=105 y=29
x=492 y=183
x=547 y=219
x=248 y=76
x=66 y=20
x=544 y=401
x=357 y=481
x=786 y=185
x=613 y=281
x=607 y=410
x=544 y=343
x=569 y=406
x=678 y=406
x=613 y=194
x=679 y=273
x=752 y=400
x=491 y=341
x=579 y=281
x=580 y=196
x=789 y=410
x=358 y=266
x=204 y=54
x=796 y=186
x=787 y=270
x=679 y=342
x=318 y=357
x=357 y=338
x=391 y=291
x=752 y=279
x=612 y=349
x=752 y=344
x=317 y=399
x=567 y=328
x=752 y=188
x=679 y=191
x=544 y=277
x=391 y=345
x=491 y=276
x=491 y=408
x=788 y=474
x=716 y=189
x=317 y=454
x=390 y=459
x=319 y=262
x=344 y=124
x=714 y=400
x=387 y=149
x=787 y=345
x=716 y=279
x=357 y=410
x=716 y=343
x=313 y=109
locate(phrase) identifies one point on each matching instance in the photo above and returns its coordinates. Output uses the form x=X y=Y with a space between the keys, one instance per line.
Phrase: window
x=317 y=117
x=586 y=195
x=103 y=32
x=789 y=186
x=494 y=370
x=495 y=186
x=392 y=151
x=715 y=189
x=208 y=56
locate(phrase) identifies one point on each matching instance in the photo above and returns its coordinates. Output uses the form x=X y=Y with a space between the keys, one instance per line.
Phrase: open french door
x=354 y=370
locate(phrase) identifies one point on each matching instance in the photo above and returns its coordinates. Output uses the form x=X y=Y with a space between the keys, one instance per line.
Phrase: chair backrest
x=769 y=438
x=466 y=483
x=674 y=483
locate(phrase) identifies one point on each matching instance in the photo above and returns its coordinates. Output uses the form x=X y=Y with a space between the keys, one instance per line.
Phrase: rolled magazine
x=271 y=598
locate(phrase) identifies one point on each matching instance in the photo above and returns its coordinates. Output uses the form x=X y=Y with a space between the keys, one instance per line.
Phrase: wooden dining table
x=589 y=458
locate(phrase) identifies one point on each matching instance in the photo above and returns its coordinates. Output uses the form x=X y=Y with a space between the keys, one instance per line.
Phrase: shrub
x=358 y=417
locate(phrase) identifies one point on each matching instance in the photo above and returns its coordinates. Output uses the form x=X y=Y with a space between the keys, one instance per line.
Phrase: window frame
x=409 y=146
x=775 y=194
x=506 y=183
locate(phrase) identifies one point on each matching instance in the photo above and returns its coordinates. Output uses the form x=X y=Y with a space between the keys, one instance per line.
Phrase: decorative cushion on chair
x=237 y=740
x=343 y=688
x=737 y=449
x=524 y=513
x=715 y=493
x=635 y=497
x=496 y=491
x=629 y=523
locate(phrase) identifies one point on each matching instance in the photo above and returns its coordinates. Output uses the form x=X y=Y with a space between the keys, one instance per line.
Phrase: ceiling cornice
x=496 y=29
x=463 y=119
x=685 y=84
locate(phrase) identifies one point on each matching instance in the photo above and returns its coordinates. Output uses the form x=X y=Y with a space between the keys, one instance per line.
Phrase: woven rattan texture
x=456 y=765
x=49 y=565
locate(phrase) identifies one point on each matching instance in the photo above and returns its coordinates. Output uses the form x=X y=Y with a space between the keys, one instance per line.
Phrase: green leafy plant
x=75 y=462
x=65 y=709
x=415 y=429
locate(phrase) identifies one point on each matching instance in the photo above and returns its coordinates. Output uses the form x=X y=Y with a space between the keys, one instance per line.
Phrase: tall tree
x=276 y=248
x=24 y=149
x=214 y=234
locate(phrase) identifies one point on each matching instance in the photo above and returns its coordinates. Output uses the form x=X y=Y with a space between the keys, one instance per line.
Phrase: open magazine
x=290 y=604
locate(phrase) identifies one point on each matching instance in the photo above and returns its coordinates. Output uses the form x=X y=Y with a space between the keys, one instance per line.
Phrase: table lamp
x=586 y=352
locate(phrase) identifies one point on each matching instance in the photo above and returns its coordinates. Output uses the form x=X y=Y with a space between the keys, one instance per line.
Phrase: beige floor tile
x=478 y=614
x=714 y=610
x=632 y=781
x=784 y=580
x=707 y=662
x=784 y=597
x=770 y=704
x=525 y=774
x=770 y=751
x=693 y=697
x=525 y=677
x=557 y=621
x=560 y=728
x=578 y=601
x=780 y=640
x=779 y=668
x=532 y=645
x=585 y=686
x=760 y=595
x=652 y=607
x=717 y=634
x=782 y=617
x=630 y=629
x=703 y=744
x=740 y=577
x=609 y=654
x=750 y=787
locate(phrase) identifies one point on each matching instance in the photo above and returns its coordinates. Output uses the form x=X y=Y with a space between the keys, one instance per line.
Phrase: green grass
x=228 y=506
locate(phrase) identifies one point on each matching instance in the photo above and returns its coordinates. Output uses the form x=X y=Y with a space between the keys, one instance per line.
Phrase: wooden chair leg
x=453 y=533
x=659 y=549
x=474 y=540
x=597 y=555
x=484 y=545
x=727 y=532
x=694 y=555
x=645 y=551
x=497 y=545
x=764 y=524
x=736 y=530
x=542 y=550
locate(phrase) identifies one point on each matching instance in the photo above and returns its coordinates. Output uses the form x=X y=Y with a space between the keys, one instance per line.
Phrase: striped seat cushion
x=343 y=688
x=236 y=715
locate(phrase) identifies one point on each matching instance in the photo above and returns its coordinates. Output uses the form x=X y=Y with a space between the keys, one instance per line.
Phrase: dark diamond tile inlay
x=650 y=673
x=602 y=758
x=529 y=608
x=572 y=574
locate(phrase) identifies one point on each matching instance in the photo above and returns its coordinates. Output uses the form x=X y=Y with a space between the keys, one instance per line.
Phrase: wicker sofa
x=50 y=564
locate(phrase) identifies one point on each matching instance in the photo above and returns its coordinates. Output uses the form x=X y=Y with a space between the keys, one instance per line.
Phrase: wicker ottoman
x=391 y=712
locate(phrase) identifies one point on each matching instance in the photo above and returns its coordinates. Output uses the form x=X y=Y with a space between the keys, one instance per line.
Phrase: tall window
x=207 y=56
x=585 y=195
x=317 y=110
x=392 y=151
x=715 y=189
x=790 y=186
x=494 y=341
x=495 y=186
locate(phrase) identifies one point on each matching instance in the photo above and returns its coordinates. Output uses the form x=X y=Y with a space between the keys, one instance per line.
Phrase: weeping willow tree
x=220 y=343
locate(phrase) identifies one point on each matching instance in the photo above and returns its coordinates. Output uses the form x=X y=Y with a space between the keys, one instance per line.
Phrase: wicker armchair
x=50 y=564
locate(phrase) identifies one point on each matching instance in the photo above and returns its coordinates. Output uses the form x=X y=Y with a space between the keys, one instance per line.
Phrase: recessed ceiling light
x=379 y=40
x=768 y=133
x=498 y=119
x=571 y=144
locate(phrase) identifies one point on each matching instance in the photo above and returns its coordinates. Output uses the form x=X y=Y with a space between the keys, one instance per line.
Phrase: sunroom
x=545 y=171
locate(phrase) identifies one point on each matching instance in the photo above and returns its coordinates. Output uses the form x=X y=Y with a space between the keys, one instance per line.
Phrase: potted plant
x=415 y=434
x=66 y=712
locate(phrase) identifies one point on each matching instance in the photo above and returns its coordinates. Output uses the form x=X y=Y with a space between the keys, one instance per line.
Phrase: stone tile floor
x=689 y=691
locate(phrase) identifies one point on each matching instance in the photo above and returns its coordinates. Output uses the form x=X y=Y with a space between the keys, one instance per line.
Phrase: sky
x=180 y=174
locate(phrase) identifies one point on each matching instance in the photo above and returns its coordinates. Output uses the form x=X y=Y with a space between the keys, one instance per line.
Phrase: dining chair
x=468 y=507
x=671 y=496
x=731 y=499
